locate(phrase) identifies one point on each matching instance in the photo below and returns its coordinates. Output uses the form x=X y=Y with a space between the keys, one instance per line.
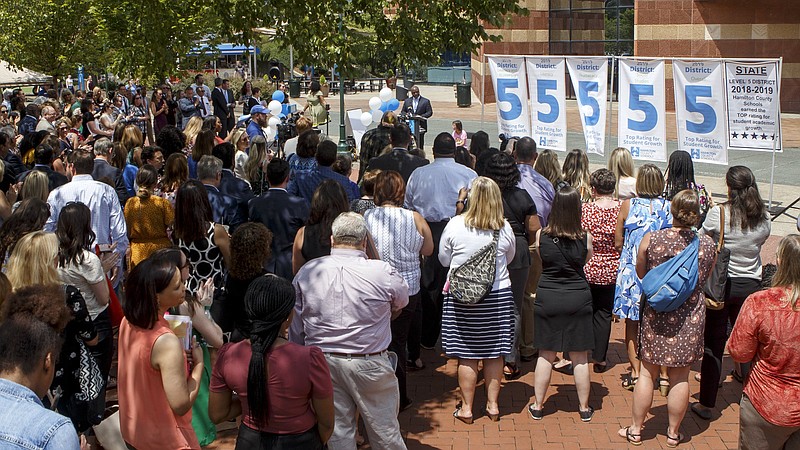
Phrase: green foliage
x=624 y=18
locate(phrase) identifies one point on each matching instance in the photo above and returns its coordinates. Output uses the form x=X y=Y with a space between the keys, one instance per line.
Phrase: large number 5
x=635 y=103
x=503 y=84
x=709 y=122
x=542 y=86
x=584 y=87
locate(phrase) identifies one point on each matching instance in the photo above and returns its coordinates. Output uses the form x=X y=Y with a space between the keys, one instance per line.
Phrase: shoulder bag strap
x=572 y=264
x=721 y=242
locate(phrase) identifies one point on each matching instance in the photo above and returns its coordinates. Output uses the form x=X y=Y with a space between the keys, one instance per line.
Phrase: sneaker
x=536 y=414
x=586 y=416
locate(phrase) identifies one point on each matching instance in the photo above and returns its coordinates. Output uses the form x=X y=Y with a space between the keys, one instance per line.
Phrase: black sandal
x=466 y=420
x=677 y=439
x=629 y=382
x=511 y=372
x=633 y=439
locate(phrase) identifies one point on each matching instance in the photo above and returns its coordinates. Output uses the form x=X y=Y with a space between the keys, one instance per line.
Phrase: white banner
x=548 y=87
x=752 y=100
x=589 y=76
x=642 y=109
x=700 y=110
x=510 y=87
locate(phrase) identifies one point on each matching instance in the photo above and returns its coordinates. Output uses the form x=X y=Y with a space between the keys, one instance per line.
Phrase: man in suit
x=283 y=214
x=43 y=160
x=419 y=106
x=104 y=170
x=229 y=184
x=222 y=100
x=224 y=208
x=398 y=159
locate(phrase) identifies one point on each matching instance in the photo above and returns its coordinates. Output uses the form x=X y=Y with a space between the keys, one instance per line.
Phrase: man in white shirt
x=198 y=82
x=345 y=304
x=432 y=191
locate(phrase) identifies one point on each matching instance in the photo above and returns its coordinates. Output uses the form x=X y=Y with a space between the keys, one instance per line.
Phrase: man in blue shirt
x=304 y=184
x=258 y=120
x=30 y=344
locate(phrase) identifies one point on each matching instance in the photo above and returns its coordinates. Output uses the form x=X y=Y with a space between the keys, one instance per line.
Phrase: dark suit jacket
x=102 y=169
x=221 y=110
x=14 y=168
x=237 y=188
x=224 y=208
x=283 y=214
x=54 y=178
x=424 y=109
x=398 y=160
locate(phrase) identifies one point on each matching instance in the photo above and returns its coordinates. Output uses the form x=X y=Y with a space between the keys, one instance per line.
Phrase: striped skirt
x=480 y=331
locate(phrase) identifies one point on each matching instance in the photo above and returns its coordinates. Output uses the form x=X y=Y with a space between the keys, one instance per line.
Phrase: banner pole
x=777 y=134
x=483 y=88
x=610 y=106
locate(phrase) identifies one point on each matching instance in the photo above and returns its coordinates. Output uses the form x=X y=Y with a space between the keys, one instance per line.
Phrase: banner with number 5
x=642 y=109
x=589 y=79
x=700 y=110
x=510 y=86
x=547 y=85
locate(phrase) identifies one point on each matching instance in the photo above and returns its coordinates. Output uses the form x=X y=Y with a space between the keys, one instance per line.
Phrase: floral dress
x=645 y=215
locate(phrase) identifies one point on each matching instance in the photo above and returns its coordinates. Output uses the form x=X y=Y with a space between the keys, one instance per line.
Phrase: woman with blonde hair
x=35 y=261
x=192 y=128
x=621 y=164
x=481 y=331
x=148 y=217
x=255 y=167
x=767 y=328
x=241 y=142
x=132 y=137
x=576 y=173
x=36 y=185
x=647 y=212
x=547 y=165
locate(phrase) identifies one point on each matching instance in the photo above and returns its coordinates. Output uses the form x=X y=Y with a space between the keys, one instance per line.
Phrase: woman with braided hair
x=285 y=393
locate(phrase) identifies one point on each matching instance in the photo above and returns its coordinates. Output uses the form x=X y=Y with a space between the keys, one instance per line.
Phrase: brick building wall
x=723 y=28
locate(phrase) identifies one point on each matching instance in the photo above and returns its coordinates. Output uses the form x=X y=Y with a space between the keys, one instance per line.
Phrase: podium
x=417 y=130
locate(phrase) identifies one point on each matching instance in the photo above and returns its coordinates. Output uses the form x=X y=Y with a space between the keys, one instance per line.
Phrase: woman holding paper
x=151 y=358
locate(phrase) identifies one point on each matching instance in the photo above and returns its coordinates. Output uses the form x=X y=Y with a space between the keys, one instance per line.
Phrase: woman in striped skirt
x=482 y=331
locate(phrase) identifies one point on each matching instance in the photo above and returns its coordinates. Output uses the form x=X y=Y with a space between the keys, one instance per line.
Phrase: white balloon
x=275 y=107
x=374 y=103
x=270 y=133
x=377 y=115
x=273 y=121
x=385 y=94
x=366 y=119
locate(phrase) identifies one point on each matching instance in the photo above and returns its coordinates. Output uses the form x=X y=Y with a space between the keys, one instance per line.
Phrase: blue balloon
x=281 y=116
x=278 y=95
x=384 y=106
x=393 y=104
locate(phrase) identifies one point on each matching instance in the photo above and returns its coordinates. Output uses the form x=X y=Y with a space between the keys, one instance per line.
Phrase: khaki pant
x=755 y=433
x=527 y=349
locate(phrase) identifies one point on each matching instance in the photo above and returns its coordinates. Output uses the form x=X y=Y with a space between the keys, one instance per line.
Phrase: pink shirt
x=296 y=374
x=767 y=332
x=460 y=138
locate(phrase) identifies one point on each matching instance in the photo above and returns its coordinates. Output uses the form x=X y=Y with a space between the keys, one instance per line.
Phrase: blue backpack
x=669 y=284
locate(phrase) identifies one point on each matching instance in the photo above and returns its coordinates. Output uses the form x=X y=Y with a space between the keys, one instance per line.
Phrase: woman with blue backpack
x=673 y=265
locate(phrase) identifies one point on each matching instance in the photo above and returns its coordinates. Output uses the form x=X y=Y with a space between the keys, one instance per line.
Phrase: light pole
x=342 y=146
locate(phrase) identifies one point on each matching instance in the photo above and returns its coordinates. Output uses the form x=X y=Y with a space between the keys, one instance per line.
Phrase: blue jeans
x=250 y=439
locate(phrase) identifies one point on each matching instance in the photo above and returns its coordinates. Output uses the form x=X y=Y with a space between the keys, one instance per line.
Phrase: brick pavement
x=429 y=424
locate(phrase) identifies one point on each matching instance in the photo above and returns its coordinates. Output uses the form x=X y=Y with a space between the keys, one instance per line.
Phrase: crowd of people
x=311 y=297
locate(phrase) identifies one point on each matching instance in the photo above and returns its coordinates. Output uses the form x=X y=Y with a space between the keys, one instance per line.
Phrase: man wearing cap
x=432 y=191
x=258 y=120
x=345 y=304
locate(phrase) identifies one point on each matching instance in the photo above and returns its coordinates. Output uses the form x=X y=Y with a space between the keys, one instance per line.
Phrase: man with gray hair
x=224 y=208
x=48 y=120
x=345 y=304
x=104 y=171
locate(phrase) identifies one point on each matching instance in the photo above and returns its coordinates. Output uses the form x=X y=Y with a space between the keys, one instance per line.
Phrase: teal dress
x=645 y=215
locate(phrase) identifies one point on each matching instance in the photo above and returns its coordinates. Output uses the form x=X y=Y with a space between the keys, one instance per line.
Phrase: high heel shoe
x=663 y=386
x=466 y=420
x=492 y=417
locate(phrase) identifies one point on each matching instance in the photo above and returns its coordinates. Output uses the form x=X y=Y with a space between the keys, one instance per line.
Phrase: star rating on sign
x=753 y=136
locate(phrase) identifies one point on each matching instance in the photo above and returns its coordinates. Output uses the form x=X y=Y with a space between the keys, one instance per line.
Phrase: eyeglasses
x=4 y=111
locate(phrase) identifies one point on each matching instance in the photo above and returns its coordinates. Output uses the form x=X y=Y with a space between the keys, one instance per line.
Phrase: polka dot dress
x=675 y=338
x=206 y=261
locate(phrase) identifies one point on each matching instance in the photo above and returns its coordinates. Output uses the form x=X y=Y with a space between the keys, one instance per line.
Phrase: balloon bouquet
x=378 y=106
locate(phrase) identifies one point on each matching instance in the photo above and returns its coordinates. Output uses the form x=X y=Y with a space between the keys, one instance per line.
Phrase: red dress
x=601 y=269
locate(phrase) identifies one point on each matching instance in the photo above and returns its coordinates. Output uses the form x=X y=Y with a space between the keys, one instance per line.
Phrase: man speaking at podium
x=418 y=105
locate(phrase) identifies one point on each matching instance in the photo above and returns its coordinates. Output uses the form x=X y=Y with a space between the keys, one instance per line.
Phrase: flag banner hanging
x=589 y=79
x=700 y=110
x=642 y=109
x=548 y=87
x=753 y=95
x=510 y=87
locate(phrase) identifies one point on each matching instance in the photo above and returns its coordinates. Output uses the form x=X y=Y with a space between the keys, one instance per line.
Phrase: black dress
x=563 y=307
x=315 y=245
